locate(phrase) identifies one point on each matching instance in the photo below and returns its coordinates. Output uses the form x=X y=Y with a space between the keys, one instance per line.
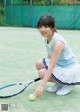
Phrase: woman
x=60 y=66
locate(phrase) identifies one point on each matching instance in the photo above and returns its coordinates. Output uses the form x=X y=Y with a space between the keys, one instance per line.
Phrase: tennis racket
x=14 y=89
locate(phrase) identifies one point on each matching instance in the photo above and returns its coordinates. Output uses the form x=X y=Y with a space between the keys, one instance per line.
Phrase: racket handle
x=37 y=79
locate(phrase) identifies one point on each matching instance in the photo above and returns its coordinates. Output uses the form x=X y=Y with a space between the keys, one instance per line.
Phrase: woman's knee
x=39 y=64
x=42 y=73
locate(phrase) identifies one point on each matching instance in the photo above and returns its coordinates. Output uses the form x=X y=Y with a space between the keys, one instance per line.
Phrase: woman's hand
x=39 y=91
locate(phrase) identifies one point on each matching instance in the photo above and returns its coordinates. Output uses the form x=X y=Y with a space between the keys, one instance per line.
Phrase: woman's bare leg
x=41 y=70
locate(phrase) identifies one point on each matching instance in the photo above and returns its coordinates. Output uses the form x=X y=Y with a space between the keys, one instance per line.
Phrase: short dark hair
x=46 y=21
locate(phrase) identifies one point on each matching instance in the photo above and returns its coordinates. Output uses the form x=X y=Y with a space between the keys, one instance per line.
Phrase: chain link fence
x=10 y=10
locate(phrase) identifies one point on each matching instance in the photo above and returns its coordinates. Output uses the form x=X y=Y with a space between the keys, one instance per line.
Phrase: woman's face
x=46 y=31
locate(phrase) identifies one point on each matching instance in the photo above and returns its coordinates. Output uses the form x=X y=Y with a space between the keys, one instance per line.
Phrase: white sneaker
x=54 y=88
x=64 y=90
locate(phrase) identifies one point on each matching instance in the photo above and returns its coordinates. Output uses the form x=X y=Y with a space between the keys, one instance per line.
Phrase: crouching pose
x=60 y=66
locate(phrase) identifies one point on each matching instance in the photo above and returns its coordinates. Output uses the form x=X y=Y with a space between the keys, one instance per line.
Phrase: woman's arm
x=59 y=46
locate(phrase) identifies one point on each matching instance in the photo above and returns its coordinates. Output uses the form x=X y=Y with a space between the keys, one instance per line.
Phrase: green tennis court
x=20 y=48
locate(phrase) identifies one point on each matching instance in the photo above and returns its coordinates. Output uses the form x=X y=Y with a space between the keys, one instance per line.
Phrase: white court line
x=21 y=50
x=18 y=74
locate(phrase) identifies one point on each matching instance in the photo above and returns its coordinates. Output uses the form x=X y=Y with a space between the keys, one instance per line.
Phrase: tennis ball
x=32 y=97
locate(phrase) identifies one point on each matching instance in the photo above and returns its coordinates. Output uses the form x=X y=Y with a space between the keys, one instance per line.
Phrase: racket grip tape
x=37 y=79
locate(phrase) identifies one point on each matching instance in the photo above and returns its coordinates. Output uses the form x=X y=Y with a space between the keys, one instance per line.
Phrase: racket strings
x=15 y=89
x=12 y=90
